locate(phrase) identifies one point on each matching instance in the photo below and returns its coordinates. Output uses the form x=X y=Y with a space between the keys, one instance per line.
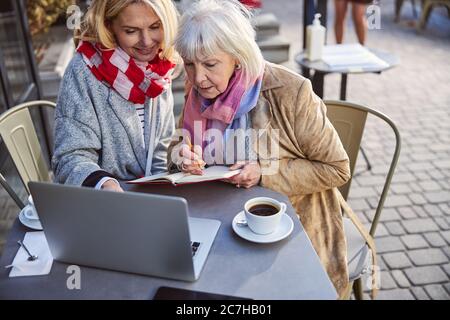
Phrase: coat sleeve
x=326 y=164
x=77 y=132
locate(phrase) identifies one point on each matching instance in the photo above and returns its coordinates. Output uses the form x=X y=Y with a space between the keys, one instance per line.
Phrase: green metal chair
x=19 y=136
x=349 y=120
x=427 y=7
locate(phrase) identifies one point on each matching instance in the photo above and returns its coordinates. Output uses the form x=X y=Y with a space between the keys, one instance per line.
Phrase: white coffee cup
x=264 y=214
x=30 y=211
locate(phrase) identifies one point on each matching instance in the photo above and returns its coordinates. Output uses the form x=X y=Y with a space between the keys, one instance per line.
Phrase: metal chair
x=349 y=120
x=427 y=7
x=19 y=136
x=398 y=8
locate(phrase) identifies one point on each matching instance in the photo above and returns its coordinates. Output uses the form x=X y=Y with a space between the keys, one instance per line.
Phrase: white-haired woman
x=230 y=87
x=114 y=117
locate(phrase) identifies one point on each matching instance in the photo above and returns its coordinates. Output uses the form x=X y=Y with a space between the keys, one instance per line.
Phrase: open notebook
x=209 y=174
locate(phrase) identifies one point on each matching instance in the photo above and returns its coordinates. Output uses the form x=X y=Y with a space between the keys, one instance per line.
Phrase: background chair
x=19 y=136
x=427 y=6
x=398 y=8
x=349 y=120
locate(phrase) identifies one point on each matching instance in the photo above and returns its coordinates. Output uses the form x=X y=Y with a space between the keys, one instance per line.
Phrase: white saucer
x=284 y=229
x=32 y=224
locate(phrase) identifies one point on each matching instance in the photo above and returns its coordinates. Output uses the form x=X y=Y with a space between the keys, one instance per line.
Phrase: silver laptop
x=132 y=232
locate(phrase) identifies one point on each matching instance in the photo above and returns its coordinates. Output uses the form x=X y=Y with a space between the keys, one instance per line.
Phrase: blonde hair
x=95 y=24
x=209 y=26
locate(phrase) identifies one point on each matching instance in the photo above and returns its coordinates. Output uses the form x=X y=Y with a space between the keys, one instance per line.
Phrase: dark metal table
x=288 y=269
x=321 y=69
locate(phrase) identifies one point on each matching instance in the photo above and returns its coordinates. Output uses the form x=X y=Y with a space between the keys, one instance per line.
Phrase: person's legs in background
x=360 y=21
x=340 y=10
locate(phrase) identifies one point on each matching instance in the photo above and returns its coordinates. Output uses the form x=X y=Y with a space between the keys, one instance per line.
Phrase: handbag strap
x=369 y=240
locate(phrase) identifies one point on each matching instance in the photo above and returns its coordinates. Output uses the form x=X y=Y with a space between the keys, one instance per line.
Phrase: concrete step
x=275 y=49
x=266 y=25
x=54 y=62
x=178 y=94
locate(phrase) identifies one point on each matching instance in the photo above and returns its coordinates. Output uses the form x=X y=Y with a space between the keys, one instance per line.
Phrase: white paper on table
x=36 y=243
x=351 y=56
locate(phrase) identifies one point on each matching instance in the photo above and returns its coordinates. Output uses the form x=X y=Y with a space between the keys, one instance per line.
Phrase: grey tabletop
x=321 y=66
x=288 y=269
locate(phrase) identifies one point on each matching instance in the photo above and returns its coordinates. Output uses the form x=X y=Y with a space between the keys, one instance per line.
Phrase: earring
x=238 y=66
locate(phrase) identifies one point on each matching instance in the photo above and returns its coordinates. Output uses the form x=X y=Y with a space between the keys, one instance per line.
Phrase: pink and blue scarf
x=229 y=111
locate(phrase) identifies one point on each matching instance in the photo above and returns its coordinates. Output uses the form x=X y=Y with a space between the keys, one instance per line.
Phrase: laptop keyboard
x=194 y=247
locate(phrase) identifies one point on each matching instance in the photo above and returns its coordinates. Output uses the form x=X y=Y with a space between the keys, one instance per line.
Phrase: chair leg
x=426 y=10
x=398 y=8
x=348 y=292
x=369 y=166
x=358 y=289
x=413 y=3
x=11 y=192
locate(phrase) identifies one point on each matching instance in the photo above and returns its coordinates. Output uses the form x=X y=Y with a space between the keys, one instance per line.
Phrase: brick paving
x=413 y=236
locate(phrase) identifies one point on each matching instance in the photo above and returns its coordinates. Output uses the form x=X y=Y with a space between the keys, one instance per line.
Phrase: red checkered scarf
x=116 y=68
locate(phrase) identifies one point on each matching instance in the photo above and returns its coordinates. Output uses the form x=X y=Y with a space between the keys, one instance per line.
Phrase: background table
x=322 y=69
x=289 y=269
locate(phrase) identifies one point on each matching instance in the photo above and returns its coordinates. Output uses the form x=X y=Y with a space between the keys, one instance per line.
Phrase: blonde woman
x=231 y=87
x=114 y=114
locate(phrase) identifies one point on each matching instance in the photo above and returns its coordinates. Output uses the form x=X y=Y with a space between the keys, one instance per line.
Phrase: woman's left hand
x=249 y=175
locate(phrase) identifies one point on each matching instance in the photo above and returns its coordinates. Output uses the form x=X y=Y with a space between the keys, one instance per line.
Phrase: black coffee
x=263 y=210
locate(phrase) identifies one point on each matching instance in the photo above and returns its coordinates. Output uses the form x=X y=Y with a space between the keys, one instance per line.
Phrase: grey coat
x=97 y=129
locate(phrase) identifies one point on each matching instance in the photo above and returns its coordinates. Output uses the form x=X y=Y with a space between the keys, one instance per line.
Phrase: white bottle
x=315 y=39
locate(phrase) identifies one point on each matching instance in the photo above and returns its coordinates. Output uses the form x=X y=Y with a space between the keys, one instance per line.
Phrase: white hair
x=210 y=26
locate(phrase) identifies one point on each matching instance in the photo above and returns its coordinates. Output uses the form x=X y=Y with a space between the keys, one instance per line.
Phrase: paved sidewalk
x=413 y=238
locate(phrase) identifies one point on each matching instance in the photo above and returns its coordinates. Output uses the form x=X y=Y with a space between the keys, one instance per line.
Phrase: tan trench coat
x=312 y=163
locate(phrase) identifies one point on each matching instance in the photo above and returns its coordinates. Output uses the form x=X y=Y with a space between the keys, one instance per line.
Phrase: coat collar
x=262 y=114
x=270 y=80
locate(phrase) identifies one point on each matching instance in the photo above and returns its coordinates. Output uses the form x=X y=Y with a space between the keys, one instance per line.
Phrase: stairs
x=178 y=95
x=274 y=49
x=273 y=46
x=55 y=60
x=266 y=25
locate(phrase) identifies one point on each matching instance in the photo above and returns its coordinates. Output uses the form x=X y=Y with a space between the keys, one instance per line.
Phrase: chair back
x=349 y=123
x=349 y=120
x=19 y=136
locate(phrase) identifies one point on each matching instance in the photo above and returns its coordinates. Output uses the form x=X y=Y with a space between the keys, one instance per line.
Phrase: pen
x=200 y=163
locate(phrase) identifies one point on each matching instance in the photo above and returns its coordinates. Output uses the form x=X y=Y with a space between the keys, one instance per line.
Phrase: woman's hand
x=111 y=185
x=249 y=176
x=189 y=159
